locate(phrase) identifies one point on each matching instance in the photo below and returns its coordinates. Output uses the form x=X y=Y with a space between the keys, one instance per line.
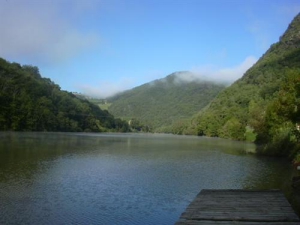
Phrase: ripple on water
x=113 y=179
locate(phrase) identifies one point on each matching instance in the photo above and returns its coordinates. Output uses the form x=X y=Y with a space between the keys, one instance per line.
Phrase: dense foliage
x=263 y=105
x=161 y=103
x=280 y=127
x=29 y=102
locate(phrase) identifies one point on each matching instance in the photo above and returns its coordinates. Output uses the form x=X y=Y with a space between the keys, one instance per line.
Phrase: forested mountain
x=29 y=102
x=164 y=102
x=263 y=105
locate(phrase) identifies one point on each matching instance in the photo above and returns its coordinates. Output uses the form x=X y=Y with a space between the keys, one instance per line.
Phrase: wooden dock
x=244 y=207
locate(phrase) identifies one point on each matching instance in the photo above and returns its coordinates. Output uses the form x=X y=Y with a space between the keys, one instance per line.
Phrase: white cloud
x=234 y=73
x=212 y=73
x=106 y=89
x=38 y=31
x=70 y=44
x=223 y=75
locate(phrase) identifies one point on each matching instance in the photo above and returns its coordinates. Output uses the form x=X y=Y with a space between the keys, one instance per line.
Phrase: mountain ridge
x=163 y=101
x=249 y=109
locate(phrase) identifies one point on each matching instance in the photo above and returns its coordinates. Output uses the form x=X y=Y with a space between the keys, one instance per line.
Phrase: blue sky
x=100 y=47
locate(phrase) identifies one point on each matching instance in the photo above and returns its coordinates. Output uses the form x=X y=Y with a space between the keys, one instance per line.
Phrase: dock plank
x=207 y=222
x=239 y=207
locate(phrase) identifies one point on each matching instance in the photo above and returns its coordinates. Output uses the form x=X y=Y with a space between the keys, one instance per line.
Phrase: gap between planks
x=239 y=207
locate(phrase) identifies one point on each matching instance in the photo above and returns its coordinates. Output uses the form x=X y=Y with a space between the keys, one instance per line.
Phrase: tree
x=29 y=102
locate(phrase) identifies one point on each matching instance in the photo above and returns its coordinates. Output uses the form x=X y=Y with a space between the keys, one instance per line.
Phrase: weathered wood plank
x=207 y=222
x=239 y=207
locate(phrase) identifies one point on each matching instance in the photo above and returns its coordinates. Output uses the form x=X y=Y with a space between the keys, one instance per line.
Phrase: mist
x=212 y=73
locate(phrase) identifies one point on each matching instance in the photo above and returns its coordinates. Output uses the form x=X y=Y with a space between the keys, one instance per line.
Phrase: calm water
x=74 y=178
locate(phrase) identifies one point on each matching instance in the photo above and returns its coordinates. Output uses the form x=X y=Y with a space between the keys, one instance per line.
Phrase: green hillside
x=29 y=102
x=163 y=102
x=263 y=105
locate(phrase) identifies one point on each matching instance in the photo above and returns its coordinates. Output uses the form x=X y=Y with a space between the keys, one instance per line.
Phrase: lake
x=85 y=178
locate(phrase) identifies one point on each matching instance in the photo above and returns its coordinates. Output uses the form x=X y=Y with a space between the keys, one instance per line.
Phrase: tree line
x=159 y=104
x=29 y=102
x=263 y=106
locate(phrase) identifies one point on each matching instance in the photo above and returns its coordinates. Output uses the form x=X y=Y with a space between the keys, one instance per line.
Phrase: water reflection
x=66 y=178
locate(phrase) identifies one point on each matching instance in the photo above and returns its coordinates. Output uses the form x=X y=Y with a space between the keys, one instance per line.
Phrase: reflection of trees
x=275 y=173
x=219 y=163
x=23 y=154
